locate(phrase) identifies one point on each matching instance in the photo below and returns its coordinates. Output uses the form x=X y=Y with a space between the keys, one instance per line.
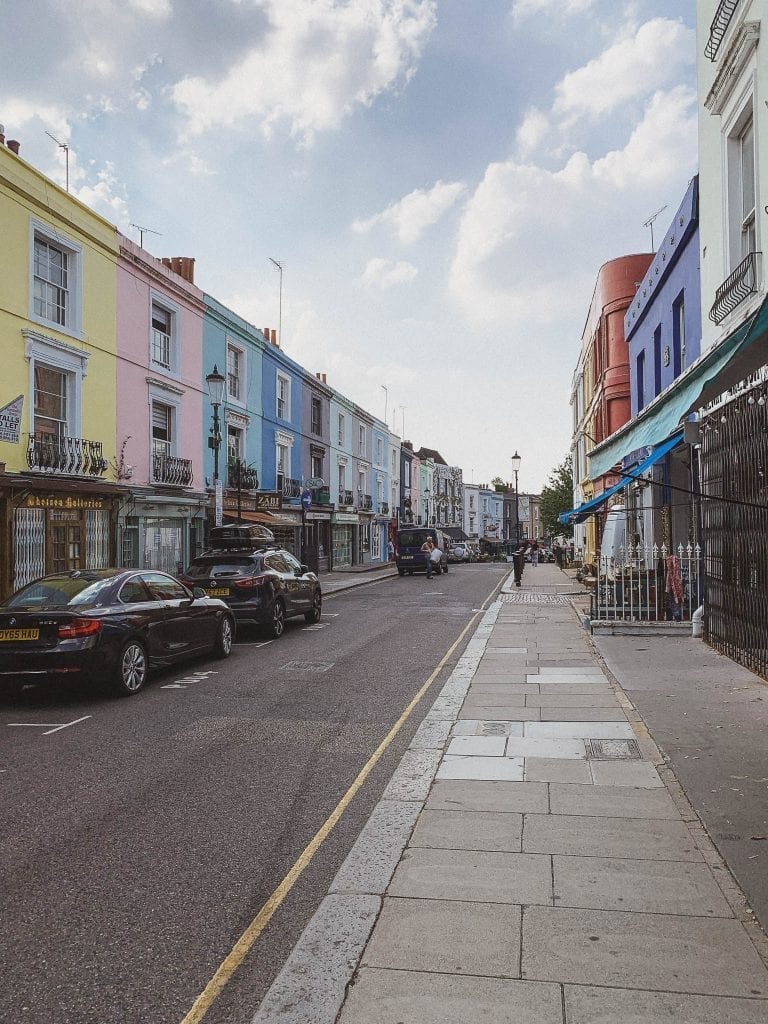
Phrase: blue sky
x=440 y=179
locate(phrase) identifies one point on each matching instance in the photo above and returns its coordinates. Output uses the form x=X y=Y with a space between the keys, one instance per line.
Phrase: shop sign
x=219 y=503
x=269 y=500
x=345 y=517
x=10 y=420
x=246 y=504
x=311 y=516
x=63 y=501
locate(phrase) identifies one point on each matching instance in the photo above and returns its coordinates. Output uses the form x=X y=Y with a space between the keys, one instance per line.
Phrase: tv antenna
x=279 y=268
x=65 y=147
x=144 y=231
x=649 y=223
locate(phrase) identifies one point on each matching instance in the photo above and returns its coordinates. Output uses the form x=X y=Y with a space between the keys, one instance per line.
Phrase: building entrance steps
x=543 y=870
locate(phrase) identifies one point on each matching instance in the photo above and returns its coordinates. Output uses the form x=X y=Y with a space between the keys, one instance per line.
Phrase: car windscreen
x=223 y=565
x=412 y=538
x=63 y=592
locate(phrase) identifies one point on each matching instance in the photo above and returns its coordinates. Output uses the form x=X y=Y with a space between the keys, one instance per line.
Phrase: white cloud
x=414 y=213
x=106 y=196
x=635 y=66
x=154 y=8
x=532 y=131
x=383 y=274
x=522 y=9
x=319 y=61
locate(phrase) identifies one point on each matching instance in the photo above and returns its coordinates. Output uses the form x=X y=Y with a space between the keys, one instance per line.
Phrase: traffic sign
x=314 y=481
x=306 y=499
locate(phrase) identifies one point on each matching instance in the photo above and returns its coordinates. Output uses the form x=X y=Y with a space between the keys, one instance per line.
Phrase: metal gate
x=734 y=478
x=28 y=545
x=164 y=545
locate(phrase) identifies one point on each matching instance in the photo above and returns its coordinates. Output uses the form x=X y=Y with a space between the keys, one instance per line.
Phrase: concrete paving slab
x=572 y=670
x=495 y=688
x=528 y=797
x=647 y=886
x=626 y=773
x=446 y=936
x=583 y=730
x=588 y=686
x=532 y=746
x=501 y=769
x=612 y=802
x=411 y=997
x=649 y=951
x=497 y=645
x=558 y=714
x=483 y=746
x=468 y=830
x=585 y=1005
x=474 y=876
x=501 y=713
x=589 y=836
x=571 y=700
x=486 y=727
x=557 y=769
x=508 y=700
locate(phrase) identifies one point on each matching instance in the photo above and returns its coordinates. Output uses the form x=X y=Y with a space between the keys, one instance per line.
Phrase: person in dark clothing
x=558 y=553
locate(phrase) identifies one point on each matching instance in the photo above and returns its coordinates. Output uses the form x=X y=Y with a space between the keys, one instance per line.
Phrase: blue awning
x=579 y=514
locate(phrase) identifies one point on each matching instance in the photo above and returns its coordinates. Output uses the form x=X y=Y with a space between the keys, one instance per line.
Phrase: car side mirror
x=303 y=569
x=198 y=592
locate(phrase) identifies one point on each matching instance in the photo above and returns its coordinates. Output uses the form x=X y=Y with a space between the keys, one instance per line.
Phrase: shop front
x=317 y=540
x=265 y=507
x=161 y=531
x=344 y=526
x=53 y=525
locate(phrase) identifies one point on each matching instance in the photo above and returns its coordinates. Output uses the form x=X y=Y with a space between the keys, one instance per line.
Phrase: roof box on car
x=250 y=535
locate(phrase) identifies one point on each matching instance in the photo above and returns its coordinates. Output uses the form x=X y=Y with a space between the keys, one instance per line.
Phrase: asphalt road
x=139 y=842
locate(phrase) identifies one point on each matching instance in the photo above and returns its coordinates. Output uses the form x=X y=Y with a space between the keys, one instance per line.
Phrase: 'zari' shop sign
x=61 y=501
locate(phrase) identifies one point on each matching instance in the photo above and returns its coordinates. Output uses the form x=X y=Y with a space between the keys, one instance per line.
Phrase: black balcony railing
x=736 y=287
x=320 y=495
x=365 y=502
x=718 y=28
x=345 y=498
x=72 y=455
x=288 y=487
x=249 y=478
x=171 y=470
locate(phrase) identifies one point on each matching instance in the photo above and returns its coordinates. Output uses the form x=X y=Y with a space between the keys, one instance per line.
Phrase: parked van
x=409 y=557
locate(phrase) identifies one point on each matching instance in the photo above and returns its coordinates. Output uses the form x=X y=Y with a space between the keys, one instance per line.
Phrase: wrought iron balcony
x=249 y=478
x=345 y=498
x=320 y=495
x=718 y=28
x=171 y=470
x=365 y=502
x=736 y=287
x=74 y=456
x=288 y=487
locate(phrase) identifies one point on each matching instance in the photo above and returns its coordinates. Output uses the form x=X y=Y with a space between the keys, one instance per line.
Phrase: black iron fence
x=734 y=470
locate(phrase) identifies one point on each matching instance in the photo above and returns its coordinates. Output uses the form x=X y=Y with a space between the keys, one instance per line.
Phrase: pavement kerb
x=297 y=996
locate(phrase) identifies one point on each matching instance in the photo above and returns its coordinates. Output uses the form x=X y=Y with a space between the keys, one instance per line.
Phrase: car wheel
x=313 y=615
x=131 y=672
x=224 y=638
x=276 y=628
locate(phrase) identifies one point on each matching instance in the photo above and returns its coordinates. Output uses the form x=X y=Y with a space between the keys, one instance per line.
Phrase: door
x=183 y=628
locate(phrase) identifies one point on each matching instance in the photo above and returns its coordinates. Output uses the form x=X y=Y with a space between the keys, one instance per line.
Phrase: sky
x=440 y=180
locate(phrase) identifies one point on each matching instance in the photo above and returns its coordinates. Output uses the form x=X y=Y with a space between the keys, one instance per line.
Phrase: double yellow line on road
x=244 y=944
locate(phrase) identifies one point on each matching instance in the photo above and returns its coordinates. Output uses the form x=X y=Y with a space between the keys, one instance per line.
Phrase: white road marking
x=173 y=686
x=50 y=726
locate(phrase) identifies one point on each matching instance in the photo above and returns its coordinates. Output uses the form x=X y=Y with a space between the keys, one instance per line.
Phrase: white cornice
x=733 y=64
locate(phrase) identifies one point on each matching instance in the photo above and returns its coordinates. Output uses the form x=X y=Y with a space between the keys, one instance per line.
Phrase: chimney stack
x=2 y=134
x=184 y=266
x=273 y=339
x=13 y=145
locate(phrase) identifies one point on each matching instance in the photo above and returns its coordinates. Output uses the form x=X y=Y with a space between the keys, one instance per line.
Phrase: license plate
x=406 y=558
x=19 y=634
x=218 y=592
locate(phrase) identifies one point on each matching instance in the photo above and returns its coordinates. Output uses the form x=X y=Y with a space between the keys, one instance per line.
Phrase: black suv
x=263 y=584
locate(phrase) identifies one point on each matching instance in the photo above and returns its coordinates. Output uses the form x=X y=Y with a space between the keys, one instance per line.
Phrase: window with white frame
x=361 y=481
x=56 y=267
x=316 y=416
x=742 y=191
x=361 y=440
x=282 y=462
x=283 y=397
x=379 y=451
x=162 y=428
x=341 y=428
x=234 y=443
x=162 y=336
x=380 y=492
x=342 y=478
x=51 y=402
x=56 y=380
x=317 y=466
x=235 y=372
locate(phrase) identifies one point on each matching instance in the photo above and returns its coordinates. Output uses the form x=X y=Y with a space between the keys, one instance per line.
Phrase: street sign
x=219 y=503
x=314 y=481
x=306 y=499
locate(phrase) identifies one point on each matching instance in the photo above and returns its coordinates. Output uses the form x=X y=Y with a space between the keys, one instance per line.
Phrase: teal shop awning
x=699 y=384
x=579 y=514
x=751 y=353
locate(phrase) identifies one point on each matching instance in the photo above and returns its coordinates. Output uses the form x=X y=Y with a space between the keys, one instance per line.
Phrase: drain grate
x=494 y=729
x=306 y=666
x=528 y=597
x=614 y=750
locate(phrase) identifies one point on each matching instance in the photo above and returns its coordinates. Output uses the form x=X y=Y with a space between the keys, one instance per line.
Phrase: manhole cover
x=306 y=666
x=614 y=750
x=494 y=729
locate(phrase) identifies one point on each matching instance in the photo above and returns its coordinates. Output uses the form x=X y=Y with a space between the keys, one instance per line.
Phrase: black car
x=108 y=625
x=262 y=585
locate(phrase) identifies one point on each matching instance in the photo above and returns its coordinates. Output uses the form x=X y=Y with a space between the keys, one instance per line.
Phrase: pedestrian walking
x=534 y=553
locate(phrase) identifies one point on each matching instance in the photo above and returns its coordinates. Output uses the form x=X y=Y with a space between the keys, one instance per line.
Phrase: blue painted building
x=380 y=490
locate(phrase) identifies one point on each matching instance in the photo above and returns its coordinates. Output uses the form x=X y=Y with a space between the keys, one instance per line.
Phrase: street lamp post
x=516 y=460
x=216 y=382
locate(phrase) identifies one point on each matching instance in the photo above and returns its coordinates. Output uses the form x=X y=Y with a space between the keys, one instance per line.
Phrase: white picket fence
x=649 y=583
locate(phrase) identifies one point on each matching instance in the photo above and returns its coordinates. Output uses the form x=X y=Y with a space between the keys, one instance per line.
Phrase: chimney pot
x=274 y=338
x=14 y=146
